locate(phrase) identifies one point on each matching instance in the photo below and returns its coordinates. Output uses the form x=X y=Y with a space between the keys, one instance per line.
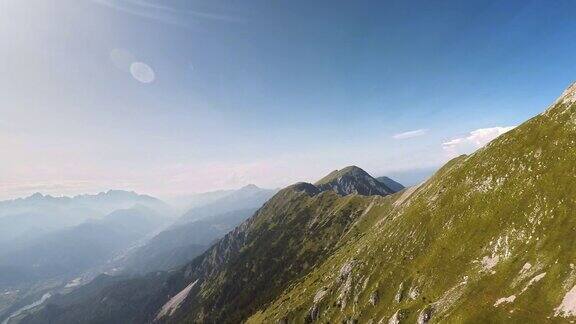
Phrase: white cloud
x=410 y=134
x=474 y=140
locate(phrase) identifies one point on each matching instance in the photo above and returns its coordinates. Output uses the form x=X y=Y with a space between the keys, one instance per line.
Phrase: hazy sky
x=176 y=96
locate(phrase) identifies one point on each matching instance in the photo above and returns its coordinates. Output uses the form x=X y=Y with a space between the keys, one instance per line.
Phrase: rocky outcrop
x=374 y=298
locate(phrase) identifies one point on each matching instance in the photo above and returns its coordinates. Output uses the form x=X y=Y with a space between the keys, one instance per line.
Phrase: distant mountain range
x=26 y=218
x=68 y=252
x=486 y=239
x=247 y=197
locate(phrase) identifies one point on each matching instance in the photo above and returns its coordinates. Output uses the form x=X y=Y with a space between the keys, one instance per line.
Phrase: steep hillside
x=488 y=239
x=295 y=230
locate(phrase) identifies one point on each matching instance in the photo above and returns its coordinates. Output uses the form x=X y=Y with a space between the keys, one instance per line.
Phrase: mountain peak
x=352 y=180
x=351 y=170
x=250 y=186
x=36 y=195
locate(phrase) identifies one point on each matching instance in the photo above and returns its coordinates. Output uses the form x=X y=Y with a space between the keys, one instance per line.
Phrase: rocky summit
x=353 y=180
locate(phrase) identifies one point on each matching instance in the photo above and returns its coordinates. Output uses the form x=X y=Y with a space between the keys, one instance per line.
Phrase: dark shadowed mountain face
x=105 y=300
x=393 y=185
x=248 y=197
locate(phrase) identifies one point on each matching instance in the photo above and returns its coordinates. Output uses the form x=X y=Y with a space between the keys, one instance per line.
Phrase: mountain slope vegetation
x=488 y=239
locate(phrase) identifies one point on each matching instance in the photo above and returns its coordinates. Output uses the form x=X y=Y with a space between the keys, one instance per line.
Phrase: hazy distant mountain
x=409 y=178
x=247 y=197
x=395 y=186
x=26 y=218
x=181 y=243
x=184 y=203
x=68 y=252
x=197 y=229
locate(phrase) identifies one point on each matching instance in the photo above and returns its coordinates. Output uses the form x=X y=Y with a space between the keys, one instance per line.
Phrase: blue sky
x=264 y=92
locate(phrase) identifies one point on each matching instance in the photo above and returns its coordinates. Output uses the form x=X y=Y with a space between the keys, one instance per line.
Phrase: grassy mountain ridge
x=282 y=241
x=488 y=239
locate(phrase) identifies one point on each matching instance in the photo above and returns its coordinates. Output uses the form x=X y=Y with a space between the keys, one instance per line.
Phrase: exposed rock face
x=400 y=293
x=320 y=295
x=312 y=314
x=568 y=96
x=424 y=316
x=397 y=317
x=374 y=298
x=413 y=293
x=345 y=270
x=345 y=281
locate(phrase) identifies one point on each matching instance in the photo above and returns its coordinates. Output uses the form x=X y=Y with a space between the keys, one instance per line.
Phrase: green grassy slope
x=490 y=238
x=285 y=239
